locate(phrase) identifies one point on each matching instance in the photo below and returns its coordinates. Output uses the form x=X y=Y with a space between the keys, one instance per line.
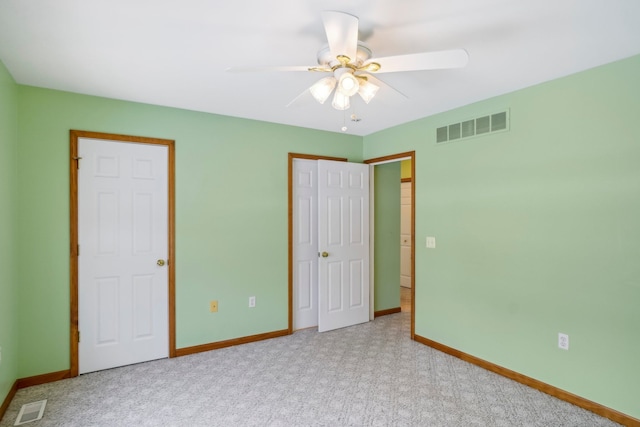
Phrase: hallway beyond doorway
x=405 y=299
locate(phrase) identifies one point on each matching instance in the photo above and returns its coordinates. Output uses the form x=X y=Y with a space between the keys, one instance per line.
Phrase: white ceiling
x=175 y=52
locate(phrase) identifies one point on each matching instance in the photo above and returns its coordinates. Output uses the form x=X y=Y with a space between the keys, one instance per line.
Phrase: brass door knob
x=160 y=262
x=325 y=254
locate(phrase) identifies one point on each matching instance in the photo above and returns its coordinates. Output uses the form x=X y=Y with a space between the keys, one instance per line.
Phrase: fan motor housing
x=325 y=59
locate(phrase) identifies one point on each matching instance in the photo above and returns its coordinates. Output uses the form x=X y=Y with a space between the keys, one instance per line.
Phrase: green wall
x=8 y=275
x=387 y=236
x=538 y=232
x=231 y=216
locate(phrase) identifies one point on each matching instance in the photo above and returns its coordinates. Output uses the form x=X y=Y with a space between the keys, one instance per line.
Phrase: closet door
x=343 y=244
x=123 y=251
x=305 y=243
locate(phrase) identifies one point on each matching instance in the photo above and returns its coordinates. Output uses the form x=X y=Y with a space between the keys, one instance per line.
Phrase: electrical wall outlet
x=431 y=242
x=213 y=306
x=563 y=341
x=252 y=301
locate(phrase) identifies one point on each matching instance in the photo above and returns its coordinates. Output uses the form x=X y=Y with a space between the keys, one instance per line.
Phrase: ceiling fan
x=350 y=63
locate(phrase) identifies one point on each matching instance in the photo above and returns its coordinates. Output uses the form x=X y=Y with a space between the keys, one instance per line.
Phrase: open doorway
x=396 y=238
x=406 y=201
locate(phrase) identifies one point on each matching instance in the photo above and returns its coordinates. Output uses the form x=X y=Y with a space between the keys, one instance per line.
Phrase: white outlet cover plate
x=431 y=242
x=563 y=341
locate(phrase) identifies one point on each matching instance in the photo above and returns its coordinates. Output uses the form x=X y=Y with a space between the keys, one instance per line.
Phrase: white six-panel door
x=123 y=248
x=343 y=243
x=305 y=244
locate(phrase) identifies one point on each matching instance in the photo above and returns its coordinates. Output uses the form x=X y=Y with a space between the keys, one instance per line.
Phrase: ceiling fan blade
x=342 y=33
x=456 y=58
x=263 y=69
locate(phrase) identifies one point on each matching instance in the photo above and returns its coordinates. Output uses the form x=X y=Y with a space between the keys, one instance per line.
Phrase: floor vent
x=490 y=123
x=31 y=412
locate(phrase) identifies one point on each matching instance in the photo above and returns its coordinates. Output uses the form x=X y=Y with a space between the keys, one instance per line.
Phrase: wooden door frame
x=73 y=250
x=292 y=157
x=397 y=157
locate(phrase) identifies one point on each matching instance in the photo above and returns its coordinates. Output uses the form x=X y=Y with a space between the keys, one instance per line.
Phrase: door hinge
x=78 y=251
x=78 y=336
x=77 y=159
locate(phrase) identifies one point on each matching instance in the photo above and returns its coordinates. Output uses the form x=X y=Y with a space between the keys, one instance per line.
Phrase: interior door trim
x=402 y=156
x=73 y=249
x=292 y=157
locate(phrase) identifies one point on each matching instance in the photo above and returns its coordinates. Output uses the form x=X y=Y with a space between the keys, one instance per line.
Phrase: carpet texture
x=366 y=375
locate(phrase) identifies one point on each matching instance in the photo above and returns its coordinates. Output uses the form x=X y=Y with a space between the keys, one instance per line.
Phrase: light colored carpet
x=365 y=375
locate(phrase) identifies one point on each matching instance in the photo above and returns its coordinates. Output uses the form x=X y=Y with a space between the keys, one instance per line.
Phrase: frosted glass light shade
x=348 y=84
x=367 y=90
x=340 y=101
x=323 y=88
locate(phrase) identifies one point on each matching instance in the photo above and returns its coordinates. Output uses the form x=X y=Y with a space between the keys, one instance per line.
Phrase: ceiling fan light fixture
x=348 y=84
x=367 y=90
x=340 y=101
x=323 y=88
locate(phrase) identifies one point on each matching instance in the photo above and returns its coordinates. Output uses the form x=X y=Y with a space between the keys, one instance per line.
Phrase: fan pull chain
x=344 y=120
